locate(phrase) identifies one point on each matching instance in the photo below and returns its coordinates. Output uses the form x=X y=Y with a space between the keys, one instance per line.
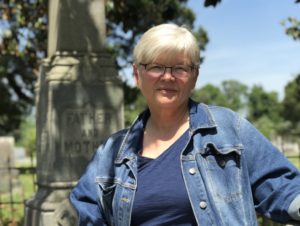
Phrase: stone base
x=50 y=207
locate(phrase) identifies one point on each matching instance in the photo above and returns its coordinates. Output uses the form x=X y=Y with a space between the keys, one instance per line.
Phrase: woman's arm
x=274 y=179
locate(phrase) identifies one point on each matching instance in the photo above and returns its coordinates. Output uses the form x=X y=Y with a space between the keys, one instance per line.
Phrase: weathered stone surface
x=8 y=176
x=76 y=25
x=81 y=112
x=79 y=104
x=65 y=214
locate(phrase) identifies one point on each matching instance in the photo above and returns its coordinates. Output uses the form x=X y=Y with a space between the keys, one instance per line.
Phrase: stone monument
x=79 y=103
x=7 y=145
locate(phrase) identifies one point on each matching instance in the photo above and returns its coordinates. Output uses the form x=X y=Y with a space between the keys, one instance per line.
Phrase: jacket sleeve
x=84 y=198
x=275 y=181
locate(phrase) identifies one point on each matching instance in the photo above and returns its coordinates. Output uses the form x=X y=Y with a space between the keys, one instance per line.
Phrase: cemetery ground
x=12 y=203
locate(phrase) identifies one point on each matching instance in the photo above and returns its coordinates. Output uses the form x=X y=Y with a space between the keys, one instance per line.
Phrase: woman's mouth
x=166 y=90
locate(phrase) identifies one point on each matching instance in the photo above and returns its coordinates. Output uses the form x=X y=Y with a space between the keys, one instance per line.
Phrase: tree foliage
x=211 y=2
x=125 y=26
x=23 y=41
x=27 y=133
x=235 y=94
x=264 y=110
x=292 y=28
x=231 y=94
x=262 y=103
x=291 y=103
x=270 y=115
x=209 y=94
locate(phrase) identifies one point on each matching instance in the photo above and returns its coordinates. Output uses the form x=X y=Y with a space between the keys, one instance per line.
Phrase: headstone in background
x=20 y=154
x=79 y=103
x=8 y=175
x=288 y=147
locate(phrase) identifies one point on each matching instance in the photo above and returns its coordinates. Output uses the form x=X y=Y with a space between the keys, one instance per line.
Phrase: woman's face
x=166 y=90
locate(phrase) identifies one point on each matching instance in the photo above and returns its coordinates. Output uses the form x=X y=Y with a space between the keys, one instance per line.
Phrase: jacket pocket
x=223 y=174
x=106 y=194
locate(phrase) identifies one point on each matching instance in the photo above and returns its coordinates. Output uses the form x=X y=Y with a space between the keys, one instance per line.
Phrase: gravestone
x=79 y=104
x=6 y=161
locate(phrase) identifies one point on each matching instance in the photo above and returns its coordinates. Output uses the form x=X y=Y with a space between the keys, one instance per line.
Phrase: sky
x=248 y=43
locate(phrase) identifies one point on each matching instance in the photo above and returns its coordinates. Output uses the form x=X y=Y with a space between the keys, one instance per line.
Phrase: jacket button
x=203 y=204
x=192 y=171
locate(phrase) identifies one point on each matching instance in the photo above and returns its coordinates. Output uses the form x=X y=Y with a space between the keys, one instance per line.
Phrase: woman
x=183 y=163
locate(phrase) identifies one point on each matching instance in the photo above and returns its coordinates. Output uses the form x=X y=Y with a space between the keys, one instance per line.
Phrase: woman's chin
x=166 y=101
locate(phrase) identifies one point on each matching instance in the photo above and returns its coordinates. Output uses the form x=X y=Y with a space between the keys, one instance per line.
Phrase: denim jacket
x=229 y=169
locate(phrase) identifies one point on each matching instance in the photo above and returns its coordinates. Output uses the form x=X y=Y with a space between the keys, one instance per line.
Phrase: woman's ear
x=135 y=75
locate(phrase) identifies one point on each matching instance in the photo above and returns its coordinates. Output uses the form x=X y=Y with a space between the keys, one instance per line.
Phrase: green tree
x=22 y=43
x=266 y=126
x=235 y=94
x=28 y=136
x=264 y=110
x=23 y=35
x=263 y=104
x=292 y=27
x=231 y=94
x=291 y=103
x=209 y=94
x=211 y=2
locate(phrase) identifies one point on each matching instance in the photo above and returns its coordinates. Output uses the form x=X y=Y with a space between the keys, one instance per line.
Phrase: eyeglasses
x=178 y=71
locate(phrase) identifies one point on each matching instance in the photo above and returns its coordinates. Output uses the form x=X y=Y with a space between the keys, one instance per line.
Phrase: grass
x=12 y=204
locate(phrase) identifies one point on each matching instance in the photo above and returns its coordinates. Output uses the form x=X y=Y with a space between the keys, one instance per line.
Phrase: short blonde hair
x=167 y=39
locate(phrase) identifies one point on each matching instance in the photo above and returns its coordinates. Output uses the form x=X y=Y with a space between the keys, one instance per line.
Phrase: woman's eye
x=180 y=68
x=155 y=67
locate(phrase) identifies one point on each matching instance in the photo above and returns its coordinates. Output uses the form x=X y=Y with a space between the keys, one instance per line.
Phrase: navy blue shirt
x=161 y=197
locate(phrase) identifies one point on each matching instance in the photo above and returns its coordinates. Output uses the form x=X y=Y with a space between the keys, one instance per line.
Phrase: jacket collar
x=200 y=119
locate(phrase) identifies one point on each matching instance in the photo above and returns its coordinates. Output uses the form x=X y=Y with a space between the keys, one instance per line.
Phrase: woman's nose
x=168 y=74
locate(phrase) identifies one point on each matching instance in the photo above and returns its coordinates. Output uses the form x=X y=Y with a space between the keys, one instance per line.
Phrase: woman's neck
x=163 y=128
x=167 y=122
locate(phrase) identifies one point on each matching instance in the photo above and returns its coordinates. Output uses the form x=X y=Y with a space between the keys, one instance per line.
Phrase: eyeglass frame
x=193 y=67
